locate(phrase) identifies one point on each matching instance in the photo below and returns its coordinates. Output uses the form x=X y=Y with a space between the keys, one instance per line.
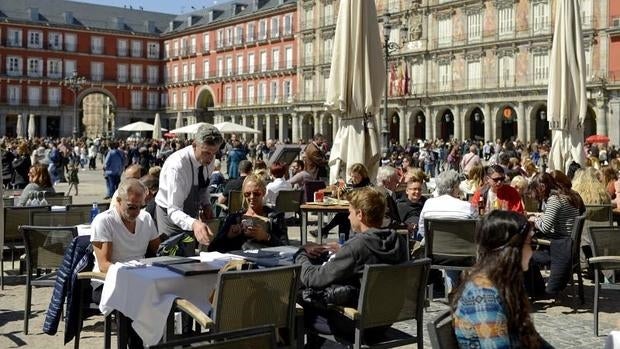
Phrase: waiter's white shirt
x=446 y=206
x=175 y=184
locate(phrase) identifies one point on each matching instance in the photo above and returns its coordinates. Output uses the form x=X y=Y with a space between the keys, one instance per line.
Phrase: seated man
x=371 y=245
x=496 y=194
x=410 y=207
x=299 y=175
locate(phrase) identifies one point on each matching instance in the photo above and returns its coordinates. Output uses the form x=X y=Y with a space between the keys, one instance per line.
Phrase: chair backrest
x=8 y=201
x=258 y=297
x=16 y=216
x=450 y=238
x=393 y=293
x=606 y=242
x=311 y=187
x=59 y=200
x=441 y=332
x=599 y=215
x=45 y=246
x=85 y=208
x=576 y=236
x=59 y=218
x=289 y=200
x=235 y=201
x=251 y=338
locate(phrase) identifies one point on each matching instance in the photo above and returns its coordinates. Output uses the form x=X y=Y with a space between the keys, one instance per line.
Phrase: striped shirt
x=558 y=219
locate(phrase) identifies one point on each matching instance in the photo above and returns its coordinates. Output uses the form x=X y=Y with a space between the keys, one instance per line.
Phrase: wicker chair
x=389 y=294
x=606 y=256
x=251 y=338
x=250 y=298
x=441 y=332
x=45 y=249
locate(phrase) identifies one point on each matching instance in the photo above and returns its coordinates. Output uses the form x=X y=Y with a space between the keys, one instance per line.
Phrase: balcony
x=96 y=49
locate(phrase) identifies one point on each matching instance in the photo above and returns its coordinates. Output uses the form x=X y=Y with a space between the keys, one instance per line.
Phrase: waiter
x=183 y=186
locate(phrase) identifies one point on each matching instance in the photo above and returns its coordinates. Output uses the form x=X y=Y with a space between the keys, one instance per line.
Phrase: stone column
x=488 y=122
x=3 y=124
x=234 y=119
x=403 y=126
x=458 y=123
x=601 y=116
x=521 y=122
x=295 y=124
x=258 y=125
x=42 y=126
x=318 y=118
x=281 y=127
x=429 y=124
x=270 y=124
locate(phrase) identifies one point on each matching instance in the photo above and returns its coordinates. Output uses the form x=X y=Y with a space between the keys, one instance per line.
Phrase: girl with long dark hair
x=490 y=307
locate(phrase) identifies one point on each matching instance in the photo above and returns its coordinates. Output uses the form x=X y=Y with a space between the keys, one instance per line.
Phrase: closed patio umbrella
x=31 y=127
x=157 y=127
x=19 y=127
x=355 y=87
x=566 y=98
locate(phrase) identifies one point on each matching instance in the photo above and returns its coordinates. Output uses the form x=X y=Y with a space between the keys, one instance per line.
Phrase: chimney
x=149 y=26
x=68 y=16
x=118 y=23
x=33 y=13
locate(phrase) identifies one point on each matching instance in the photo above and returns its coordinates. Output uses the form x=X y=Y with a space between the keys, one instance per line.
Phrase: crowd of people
x=497 y=182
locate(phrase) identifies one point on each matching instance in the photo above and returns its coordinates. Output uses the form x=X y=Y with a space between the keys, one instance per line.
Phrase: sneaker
x=315 y=233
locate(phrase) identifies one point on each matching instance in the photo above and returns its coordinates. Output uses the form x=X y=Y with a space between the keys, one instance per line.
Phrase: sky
x=166 y=6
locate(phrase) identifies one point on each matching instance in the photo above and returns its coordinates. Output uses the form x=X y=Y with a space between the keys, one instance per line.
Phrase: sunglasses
x=256 y=193
x=498 y=179
x=135 y=207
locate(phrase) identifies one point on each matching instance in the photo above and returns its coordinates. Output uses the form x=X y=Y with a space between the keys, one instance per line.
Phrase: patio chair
x=45 y=249
x=250 y=298
x=441 y=332
x=250 y=338
x=389 y=294
x=59 y=218
x=234 y=204
x=290 y=201
x=84 y=281
x=85 y=208
x=606 y=256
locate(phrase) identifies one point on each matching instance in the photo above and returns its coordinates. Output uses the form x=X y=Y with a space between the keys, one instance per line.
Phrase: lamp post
x=75 y=83
x=389 y=47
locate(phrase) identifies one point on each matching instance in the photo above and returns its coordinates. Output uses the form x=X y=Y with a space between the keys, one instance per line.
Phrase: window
x=506 y=21
x=251 y=63
x=122 y=47
x=192 y=71
x=185 y=72
x=329 y=14
x=588 y=54
x=229 y=37
x=175 y=101
x=70 y=68
x=14 y=66
x=220 y=39
x=151 y=100
x=251 y=35
x=239 y=94
x=474 y=27
x=14 y=38
x=506 y=71
x=417 y=78
x=444 y=34
x=262 y=29
x=55 y=41
x=136 y=74
x=96 y=71
x=228 y=95
x=307 y=20
x=184 y=46
x=239 y=64
x=474 y=74
x=35 y=67
x=288 y=53
x=275 y=27
x=136 y=99
x=274 y=91
x=34 y=96
x=263 y=61
x=540 y=14
x=167 y=50
x=54 y=68
x=288 y=25
x=184 y=100
x=70 y=42
x=136 y=48
x=238 y=35
x=14 y=94
x=192 y=45
x=229 y=66
x=275 y=59
x=152 y=74
x=205 y=43
x=251 y=94
x=287 y=88
x=205 y=69
x=586 y=13
x=153 y=50
x=220 y=67
x=35 y=39
x=122 y=72
x=445 y=76
x=308 y=91
x=163 y=100
x=175 y=49
x=541 y=67
x=53 y=96
x=96 y=45
x=327 y=50
x=262 y=93
x=308 y=53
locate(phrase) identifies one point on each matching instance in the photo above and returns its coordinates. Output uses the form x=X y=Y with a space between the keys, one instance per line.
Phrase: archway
x=446 y=125
x=328 y=127
x=419 y=125
x=306 y=125
x=589 y=124
x=204 y=106
x=476 y=125
x=394 y=122
x=543 y=133
x=98 y=115
x=508 y=119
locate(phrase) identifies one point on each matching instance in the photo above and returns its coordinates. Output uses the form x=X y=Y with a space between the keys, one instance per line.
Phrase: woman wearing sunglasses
x=254 y=226
x=490 y=307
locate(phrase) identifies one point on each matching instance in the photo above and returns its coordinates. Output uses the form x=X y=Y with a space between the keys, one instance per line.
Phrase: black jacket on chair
x=78 y=257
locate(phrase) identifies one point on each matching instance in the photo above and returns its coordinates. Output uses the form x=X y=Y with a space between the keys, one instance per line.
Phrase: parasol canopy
x=355 y=87
x=231 y=127
x=193 y=128
x=138 y=126
x=566 y=96
x=597 y=139
x=157 y=127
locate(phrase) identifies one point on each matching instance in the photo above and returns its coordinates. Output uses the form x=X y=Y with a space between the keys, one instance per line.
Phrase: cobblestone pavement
x=556 y=321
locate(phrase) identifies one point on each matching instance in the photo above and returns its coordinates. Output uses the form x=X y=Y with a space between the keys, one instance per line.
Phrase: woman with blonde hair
x=475 y=179
x=610 y=176
x=592 y=191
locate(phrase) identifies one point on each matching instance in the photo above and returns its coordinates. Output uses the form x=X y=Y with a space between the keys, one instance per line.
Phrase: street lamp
x=75 y=83
x=388 y=47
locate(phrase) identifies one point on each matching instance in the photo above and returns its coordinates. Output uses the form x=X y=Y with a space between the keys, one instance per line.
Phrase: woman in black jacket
x=21 y=166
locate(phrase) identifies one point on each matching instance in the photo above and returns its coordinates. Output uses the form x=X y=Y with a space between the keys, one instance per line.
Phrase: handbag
x=183 y=245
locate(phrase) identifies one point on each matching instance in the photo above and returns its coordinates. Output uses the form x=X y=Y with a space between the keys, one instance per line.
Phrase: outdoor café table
x=145 y=293
x=320 y=209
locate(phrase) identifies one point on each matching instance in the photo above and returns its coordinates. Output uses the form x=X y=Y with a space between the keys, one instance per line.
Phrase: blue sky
x=165 y=6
